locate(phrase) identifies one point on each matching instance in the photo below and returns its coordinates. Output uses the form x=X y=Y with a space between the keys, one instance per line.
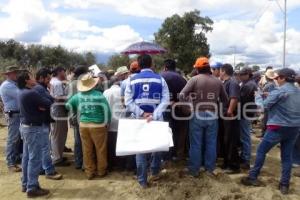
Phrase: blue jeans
x=286 y=136
x=296 y=151
x=77 y=147
x=142 y=163
x=245 y=127
x=46 y=157
x=203 y=137
x=32 y=156
x=13 y=140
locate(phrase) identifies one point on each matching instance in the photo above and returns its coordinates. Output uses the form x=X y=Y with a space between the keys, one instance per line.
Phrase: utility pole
x=234 y=52
x=284 y=32
x=284 y=11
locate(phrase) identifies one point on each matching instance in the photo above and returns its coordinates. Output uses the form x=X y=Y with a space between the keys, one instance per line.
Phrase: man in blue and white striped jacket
x=147 y=96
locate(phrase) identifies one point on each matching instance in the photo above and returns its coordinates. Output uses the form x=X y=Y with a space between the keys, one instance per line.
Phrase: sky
x=252 y=30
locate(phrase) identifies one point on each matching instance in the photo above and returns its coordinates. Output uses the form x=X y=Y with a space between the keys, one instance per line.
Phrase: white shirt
x=57 y=87
x=113 y=96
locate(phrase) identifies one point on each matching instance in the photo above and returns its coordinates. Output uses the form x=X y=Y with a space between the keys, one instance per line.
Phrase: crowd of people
x=210 y=113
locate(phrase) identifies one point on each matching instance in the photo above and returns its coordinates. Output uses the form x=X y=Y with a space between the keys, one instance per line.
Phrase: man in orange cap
x=204 y=90
x=134 y=69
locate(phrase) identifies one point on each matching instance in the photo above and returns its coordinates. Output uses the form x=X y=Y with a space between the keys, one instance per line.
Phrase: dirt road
x=173 y=186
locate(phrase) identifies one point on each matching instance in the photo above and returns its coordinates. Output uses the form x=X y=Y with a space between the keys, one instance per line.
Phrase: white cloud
x=162 y=9
x=29 y=21
x=254 y=27
x=258 y=42
x=106 y=40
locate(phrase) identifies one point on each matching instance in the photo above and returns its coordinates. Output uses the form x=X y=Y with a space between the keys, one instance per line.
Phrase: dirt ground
x=172 y=186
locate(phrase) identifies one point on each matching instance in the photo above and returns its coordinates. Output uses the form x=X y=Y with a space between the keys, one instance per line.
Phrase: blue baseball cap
x=216 y=65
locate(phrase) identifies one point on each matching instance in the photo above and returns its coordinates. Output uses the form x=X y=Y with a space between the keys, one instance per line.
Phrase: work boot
x=54 y=176
x=250 y=182
x=37 y=193
x=284 y=189
x=14 y=168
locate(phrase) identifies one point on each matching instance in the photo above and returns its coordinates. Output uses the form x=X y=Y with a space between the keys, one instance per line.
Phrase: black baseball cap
x=245 y=71
x=288 y=74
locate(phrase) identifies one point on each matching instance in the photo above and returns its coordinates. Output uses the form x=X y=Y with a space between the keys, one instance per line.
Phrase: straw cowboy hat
x=10 y=69
x=87 y=82
x=121 y=70
x=270 y=74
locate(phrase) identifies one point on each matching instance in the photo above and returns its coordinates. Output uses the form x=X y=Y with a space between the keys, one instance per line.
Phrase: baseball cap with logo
x=216 y=65
x=201 y=62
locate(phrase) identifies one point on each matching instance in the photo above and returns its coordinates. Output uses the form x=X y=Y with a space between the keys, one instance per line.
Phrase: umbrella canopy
x=144 y=48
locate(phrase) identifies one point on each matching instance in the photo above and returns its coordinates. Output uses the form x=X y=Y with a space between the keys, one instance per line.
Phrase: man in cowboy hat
x=269 y=86
x=94 y=115
x=9 y=93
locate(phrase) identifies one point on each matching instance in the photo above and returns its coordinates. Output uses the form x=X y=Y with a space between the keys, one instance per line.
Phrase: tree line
x=184 y=37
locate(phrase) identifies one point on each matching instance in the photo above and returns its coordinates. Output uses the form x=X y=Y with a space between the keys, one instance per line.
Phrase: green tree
x=118 y=60
x=90 y=58
x=184 y=37
x=255 y=68
x=239 y=66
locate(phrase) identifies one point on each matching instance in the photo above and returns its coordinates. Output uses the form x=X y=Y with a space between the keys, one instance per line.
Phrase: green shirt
x=91 y=106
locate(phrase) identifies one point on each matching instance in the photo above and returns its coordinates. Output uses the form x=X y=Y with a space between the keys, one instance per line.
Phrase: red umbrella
x=144 y=48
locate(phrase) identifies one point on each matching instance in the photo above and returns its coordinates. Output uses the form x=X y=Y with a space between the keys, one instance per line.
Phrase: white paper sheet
x=95 y=70
x=137 y=136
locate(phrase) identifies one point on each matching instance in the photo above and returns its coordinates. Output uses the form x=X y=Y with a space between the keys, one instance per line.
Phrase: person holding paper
x=147 y=96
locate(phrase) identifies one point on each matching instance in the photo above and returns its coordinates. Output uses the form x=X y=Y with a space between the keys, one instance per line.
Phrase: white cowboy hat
x=87 y=82
x=270 y=74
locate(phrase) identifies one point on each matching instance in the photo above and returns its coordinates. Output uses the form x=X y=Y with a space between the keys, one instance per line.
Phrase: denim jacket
x=282 y=105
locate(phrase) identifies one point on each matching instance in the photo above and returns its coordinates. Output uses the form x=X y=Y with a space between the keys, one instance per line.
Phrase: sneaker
x=24 y=189
x=14 y=168
x=54 y=176
x=284 y=189
x=250 y=182
x=37 y=193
